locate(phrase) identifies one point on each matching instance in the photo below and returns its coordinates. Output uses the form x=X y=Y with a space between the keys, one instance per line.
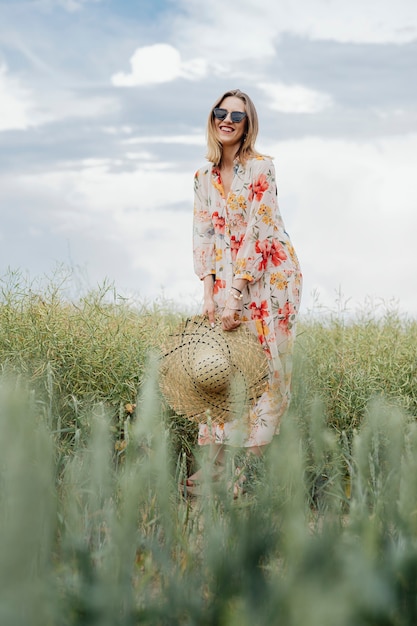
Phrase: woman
x=245 y=259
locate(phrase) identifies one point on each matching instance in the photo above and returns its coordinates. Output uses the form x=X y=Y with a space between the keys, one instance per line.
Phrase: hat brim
x=248 y=365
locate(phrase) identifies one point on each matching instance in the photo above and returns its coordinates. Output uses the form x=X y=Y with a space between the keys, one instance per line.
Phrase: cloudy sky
x=103 y=105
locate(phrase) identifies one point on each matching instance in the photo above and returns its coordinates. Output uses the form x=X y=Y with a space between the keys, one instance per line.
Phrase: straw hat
x=207 y=373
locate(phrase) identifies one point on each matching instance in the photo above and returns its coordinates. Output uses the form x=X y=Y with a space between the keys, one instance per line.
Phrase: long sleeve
x=204 y=249
x=260 y=248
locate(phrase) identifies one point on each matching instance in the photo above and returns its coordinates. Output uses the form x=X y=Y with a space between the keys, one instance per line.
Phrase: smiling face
x=230 y=133
x=237 y=139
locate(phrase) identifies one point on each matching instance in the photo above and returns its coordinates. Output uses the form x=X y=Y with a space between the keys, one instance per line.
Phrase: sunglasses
x=235 y=116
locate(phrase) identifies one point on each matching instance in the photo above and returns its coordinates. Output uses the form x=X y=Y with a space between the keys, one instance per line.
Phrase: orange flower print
x=218 y=222
x=202 y=216
x=260 y=331
x=217 y=182
x=258 y=313
x=277 y=253
x=236 y=220
x=287 y=315
x=235 y=245
x=257 y=189
x=218 y=284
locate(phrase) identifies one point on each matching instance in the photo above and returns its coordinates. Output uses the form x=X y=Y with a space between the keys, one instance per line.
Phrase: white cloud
x=93 y=186
x=15 y=103
x=159 y=63
x=189 y=140
x=134 y=236
x=21 y=109
x=350 y=209
x=295 y=98
x=64 y=104
x=68 y=5
x=227 y=34
x=357 y=21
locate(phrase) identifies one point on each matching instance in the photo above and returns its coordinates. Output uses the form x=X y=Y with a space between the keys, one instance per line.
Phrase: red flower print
x=257 y=189
x=273 y=250
x=264 y=248
x=259 y=312
x=218 y=284
x=235 y=245
x=218 y=222
x=277 y=253
x=286 y=313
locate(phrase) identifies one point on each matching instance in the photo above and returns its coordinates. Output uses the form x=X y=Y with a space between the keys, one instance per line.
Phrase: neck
x=228 y=156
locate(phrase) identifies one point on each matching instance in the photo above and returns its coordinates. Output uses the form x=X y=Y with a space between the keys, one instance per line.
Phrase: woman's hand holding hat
x=234 y=305
x=232 y=314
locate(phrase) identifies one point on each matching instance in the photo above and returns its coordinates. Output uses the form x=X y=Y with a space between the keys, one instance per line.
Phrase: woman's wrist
x=236 y=294
x=208 y=282
x=235 y=305
x=238 y=285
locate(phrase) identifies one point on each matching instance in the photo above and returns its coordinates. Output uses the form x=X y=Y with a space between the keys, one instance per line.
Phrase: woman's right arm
x=203 y=229
x=203 y=242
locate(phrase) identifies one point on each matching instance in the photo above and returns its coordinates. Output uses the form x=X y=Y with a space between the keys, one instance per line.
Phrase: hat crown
x=211 y=369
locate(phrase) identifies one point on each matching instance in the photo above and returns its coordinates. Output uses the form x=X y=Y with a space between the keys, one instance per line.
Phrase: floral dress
x=243 y=236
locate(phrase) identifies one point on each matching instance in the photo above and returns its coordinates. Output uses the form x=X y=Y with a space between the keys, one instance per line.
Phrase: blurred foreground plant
x=116 y=543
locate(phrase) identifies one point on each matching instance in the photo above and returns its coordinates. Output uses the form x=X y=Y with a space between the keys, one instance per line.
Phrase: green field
x=93 y=529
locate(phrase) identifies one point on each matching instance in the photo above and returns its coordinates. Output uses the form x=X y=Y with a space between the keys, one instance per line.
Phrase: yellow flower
x=291 y=252
x=233 y=202
x=242 y=202
x=240 y=265
x=266 y=212
x=278 y=279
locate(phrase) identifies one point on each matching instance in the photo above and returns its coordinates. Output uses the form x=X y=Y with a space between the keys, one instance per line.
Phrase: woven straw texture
x=210 y=374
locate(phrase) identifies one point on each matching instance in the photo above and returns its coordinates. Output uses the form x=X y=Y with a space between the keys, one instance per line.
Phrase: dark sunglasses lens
x=220 y=114
x=237 y=116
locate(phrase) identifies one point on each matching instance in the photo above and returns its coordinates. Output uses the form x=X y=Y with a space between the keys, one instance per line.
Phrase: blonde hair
x=247 y=148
